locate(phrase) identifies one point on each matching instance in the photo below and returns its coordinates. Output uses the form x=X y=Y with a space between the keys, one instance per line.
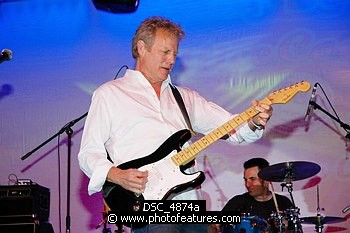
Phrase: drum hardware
x=285 y=221
x=294 y=224
x=320 y=220
x=287 y=173
x=276 y=221
x=289 y=215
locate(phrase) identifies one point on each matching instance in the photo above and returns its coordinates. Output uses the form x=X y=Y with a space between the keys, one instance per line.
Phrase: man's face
x=256 y=187
x=157 y=60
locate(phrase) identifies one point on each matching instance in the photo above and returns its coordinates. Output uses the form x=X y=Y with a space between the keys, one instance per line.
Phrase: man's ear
x=141 y=47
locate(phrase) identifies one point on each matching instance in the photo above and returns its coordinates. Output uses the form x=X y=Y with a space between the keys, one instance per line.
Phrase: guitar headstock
x=284 y=95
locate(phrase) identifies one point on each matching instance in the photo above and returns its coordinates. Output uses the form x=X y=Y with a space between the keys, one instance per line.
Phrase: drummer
x=258 y=200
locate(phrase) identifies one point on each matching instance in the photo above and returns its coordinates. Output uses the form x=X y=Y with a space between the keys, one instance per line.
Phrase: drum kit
x=287 y=221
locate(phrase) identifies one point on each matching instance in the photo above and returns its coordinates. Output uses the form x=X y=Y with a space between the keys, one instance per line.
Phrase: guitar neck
x=189 y=153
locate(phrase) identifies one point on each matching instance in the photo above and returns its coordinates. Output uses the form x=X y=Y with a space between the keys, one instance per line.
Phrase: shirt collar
x=137 y=76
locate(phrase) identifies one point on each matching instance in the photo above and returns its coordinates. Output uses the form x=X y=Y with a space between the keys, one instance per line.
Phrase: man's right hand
x=130 y=179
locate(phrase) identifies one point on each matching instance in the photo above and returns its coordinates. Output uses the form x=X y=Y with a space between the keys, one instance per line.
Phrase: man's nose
x=171 y=58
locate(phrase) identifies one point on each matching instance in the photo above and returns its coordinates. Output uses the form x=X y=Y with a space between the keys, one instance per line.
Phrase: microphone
x=346 y=209
x=6 y=55
x=310 y=105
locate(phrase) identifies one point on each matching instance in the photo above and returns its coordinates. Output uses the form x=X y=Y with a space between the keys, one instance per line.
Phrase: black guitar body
x=120 y=199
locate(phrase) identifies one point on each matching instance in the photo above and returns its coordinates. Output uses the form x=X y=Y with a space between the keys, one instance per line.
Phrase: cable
x=13 y=179
x=59 y=184
x=124 y=66
x=329 y=102
x=59 y=161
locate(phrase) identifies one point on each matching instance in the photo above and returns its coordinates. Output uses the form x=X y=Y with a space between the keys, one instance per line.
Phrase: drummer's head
x=256 y=162
x=256 y=187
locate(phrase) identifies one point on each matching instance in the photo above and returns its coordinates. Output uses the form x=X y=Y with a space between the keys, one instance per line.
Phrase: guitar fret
x=198 y=143
x=189 y=156
x=238 y=120
x=228 y=127
x=216 y=133
x=175 y=160
x=184 y=155
x=223 y=131
x=251 y=112
x=187 y=151
x=204 y=140
x=179 y=158
x=207 y=139
x=233 y=124
x=245 y=116
x=195 y=149
x=190 y=150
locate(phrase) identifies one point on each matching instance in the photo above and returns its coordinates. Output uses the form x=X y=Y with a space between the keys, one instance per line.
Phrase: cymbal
x=289 y=171
x=320 y=220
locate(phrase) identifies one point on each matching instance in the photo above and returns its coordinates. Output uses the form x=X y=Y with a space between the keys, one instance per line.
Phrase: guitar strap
x=182 y=107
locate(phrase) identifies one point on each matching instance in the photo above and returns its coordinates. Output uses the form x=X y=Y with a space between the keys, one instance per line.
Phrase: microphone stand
x=67 y=128
x=346 y=127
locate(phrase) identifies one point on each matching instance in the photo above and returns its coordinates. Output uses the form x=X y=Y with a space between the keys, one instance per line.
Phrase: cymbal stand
x=288 y=183
x=319 y=224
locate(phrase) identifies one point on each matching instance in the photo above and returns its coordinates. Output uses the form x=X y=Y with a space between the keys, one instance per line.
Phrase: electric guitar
x=166 y=165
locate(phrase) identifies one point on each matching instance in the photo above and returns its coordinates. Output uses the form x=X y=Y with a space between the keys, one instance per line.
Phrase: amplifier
x=31 y=201
x=26 y=227
x=19 y=227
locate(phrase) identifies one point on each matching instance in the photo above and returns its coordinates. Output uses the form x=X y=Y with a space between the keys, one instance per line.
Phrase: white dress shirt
x=127 y=119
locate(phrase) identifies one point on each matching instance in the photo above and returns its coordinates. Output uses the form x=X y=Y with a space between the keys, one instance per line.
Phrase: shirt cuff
x=98 y=178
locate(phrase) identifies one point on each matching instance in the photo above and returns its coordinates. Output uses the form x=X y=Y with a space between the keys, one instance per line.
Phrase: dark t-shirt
x=246 y=204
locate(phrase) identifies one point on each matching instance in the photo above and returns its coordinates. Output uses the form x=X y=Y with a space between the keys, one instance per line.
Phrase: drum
x=249 y=224
x=286 y=221
x=276 y=222
x=293 y=221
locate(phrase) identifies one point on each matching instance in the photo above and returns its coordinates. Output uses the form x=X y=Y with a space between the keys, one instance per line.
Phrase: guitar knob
x=136 y=206
x=137 y=194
